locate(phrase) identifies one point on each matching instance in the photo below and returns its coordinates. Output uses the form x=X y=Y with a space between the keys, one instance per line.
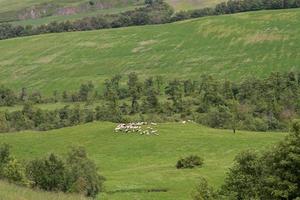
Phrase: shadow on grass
x=138 y=190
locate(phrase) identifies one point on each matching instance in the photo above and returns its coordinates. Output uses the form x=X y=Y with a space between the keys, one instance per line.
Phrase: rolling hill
x=192 y=4
x=37 y=12
x=16 y=10
x=13 y=192
x=229 y=47
x=134 y=165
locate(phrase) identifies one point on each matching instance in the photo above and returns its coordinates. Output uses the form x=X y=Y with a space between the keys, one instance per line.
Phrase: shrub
x=204 y=191
x=82 y=174
x=189 y=162
x=47 y=173
x=4 y=157
x=14 y=172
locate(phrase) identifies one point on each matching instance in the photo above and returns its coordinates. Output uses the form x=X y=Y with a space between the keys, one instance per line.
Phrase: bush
x=77 y=174
x=47 y=173
x=10 y=168
x=14 y=172
x=82 y=174
x=4 y=157
x=189 y=162
x=204 y=191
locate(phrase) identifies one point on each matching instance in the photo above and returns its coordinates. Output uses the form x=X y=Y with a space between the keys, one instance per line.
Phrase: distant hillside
x=192 y=4
x=31 y=11
x=231 y=46
x=27 y=9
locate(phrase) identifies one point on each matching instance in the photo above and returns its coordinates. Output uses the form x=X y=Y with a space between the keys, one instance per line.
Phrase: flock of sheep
x=138 y=127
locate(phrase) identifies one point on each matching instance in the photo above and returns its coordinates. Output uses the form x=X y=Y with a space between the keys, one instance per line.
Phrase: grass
x=135 y=165
x=15 y=5
x=231 y=47
x=13 y=192
x=192 y=4
x=10 y=10
x=60 y=18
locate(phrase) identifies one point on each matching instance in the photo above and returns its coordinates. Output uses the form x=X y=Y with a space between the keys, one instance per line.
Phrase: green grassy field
x=231 y=46
x=11 y=10
x=192 y=4
x=134 y=163
x=13 y=192
x=15 y=5
x=60 y=18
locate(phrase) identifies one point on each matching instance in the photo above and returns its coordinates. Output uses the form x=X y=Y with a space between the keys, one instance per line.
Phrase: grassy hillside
x=13 y=192
x=14 y=5
x=192 y=4
x=61 y=18
x=134 y=164
x=231 y=46
x=34 y=9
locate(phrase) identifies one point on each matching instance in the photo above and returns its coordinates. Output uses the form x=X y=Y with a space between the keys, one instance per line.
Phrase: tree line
x=237 y=6
x=154 y=12
x=251 y=104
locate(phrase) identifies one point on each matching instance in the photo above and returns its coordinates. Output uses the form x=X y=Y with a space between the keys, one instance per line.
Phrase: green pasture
x=134 y=164
x=228 y=47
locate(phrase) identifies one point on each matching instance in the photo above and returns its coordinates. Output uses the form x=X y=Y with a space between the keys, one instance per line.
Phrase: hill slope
x=231 y=46
x=192 y=4
x=13 y=192
x=134 y=164
x=34 y=9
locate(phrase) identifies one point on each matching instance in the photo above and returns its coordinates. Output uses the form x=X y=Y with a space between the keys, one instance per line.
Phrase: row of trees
x=274 y=174
x=237 y=6
x=75 y=174
x=155 y=12
x=252 y=104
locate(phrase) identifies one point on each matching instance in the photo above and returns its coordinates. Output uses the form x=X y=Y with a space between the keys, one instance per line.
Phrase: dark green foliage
x=243 y=181
x=76 y=174
x=174 y=90
x=252 y=104
x=134 y=91
x=189 y=162
x=273 y=175
x=237 y=6
x=4 y=155
x=47 y=173
x=81 y=174
x=10 y=168
x=7 y=97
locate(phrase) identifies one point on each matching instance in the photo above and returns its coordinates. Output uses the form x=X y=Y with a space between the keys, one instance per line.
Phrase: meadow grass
x=61 y=18
x=228 y=47
x=179 y=5
x=135 y=164
x=13 y=192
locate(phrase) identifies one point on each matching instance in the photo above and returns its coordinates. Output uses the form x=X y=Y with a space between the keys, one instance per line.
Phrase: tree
x=4 y=124
x=273 y=175
x=244 y=179
x=134 y=89
x=85 y=91
x=82 y=174
x=175 y=92
x=47 y=173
